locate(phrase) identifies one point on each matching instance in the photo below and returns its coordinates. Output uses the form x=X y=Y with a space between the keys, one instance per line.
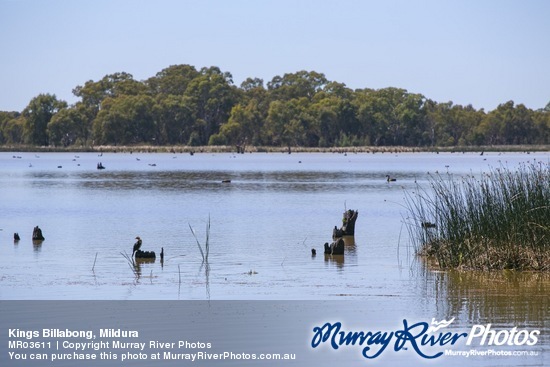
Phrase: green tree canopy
x=37 y=115
x=185 y=105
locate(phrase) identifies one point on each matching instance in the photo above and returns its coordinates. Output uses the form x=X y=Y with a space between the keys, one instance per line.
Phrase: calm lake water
x=263 y=227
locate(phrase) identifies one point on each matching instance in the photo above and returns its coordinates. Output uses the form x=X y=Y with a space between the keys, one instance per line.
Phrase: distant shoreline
x=267 y=149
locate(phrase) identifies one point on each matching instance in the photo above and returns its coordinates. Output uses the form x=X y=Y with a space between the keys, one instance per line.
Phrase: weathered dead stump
x=338 y=234
x=37 y=234
x=335 y=248
x=348 y=225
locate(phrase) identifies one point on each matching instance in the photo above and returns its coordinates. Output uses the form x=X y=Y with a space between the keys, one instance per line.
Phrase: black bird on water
x=390 y=179
x=137 y=245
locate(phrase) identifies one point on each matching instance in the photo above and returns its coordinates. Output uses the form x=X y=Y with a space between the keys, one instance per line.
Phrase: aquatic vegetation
x=132 y=264
x=500 y=220
x=205 y=252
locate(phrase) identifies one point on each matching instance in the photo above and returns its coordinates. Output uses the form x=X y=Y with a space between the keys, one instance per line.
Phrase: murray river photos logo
x=425 y=339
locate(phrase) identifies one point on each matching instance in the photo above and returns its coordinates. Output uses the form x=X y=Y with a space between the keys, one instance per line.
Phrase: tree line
x=182 y=105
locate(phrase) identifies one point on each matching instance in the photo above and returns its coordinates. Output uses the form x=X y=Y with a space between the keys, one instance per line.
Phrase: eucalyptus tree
x=174 y=118
x=541 y=121
x=246 y=120
x=11 y=127
x=289 y=124
x=508 y=124
x=172 y=80
x=391 y=116
x=111 y=85
x=244 y=126
x=125 y=120
x=334 y=116
x=37 y=115
x=296 y=85
x=211 y=95
x=66 y=127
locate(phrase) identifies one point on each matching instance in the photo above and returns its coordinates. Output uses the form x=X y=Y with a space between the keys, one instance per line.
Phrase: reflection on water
x=212 y=180
x=291 y=181
x=505 y=297
x=337 y=260
x=349 y=243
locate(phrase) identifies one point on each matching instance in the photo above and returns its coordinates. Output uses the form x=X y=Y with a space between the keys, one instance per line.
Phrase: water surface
x=263 y=225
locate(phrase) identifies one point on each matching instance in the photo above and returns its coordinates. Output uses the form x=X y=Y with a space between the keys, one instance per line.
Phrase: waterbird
x=390 y=179
x=137 y=245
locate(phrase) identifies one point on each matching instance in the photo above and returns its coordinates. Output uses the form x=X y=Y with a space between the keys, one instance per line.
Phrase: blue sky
x=477 y=52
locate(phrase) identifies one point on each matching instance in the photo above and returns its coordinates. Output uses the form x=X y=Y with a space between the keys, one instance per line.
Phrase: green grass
x=500 y=220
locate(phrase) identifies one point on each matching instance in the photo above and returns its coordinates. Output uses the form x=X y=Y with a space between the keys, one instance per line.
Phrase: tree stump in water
x=348 y=225
x=335 y=248
x=347 y=229
x=37 y=234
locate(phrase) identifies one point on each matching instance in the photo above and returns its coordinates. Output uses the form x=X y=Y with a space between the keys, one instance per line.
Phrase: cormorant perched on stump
x=137 y=245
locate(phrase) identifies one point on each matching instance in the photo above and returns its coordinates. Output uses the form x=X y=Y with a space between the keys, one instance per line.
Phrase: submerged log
x=348 y=225
x=145 y=254
x=37 y=234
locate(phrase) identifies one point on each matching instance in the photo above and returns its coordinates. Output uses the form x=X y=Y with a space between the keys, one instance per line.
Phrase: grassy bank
x=498 y=221
x=271 y=149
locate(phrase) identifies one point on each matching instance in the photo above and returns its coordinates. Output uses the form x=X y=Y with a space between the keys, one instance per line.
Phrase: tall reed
x=500 y=220
x=206 y=251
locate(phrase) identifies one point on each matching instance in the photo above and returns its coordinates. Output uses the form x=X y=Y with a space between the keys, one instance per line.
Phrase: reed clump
x=500 y=220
